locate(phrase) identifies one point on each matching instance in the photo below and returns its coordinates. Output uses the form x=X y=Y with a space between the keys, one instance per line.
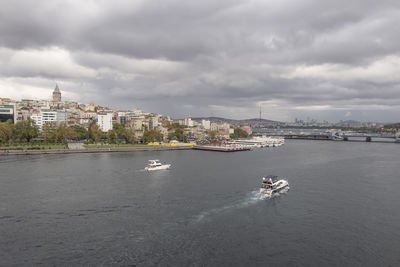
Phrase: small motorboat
x=271 y=184
x=155 y=164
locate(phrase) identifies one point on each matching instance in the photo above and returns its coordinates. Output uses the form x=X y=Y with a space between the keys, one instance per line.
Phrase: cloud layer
x=328 y=60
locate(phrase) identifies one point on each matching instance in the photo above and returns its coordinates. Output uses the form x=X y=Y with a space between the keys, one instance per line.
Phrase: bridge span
x=330 y=135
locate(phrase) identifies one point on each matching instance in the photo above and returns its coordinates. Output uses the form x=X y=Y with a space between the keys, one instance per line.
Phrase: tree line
x=28 y=132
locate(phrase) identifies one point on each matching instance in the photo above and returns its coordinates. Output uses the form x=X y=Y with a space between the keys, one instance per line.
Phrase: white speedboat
x=271 y=185
x=155 y=164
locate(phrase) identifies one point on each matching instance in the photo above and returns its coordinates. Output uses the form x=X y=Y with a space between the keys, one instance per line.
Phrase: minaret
x=56 y=94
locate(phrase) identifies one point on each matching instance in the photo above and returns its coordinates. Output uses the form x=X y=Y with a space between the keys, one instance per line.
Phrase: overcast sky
x=327 y=60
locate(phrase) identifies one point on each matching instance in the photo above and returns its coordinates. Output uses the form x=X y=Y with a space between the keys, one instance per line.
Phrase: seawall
x=89 y=150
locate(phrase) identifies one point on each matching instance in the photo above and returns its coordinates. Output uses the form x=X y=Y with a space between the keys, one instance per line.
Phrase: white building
x=37 y=118
x=104 y=121
x=62 y=117
x=153 y=122
x=206 y=124
x=188 y=122
x=44 y=117
x=224 y=127
x=214 y=126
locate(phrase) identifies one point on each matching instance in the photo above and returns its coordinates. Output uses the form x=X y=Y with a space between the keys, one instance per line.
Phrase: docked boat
x=260 y=141
x=271 y=184
x=155 y=164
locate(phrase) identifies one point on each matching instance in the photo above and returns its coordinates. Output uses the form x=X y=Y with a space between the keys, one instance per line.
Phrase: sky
x=325 y=60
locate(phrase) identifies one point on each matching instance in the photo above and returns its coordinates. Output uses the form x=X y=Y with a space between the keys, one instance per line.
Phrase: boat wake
x=254 y=197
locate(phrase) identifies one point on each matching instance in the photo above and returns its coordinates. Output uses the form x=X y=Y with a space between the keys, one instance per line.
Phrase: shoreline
x=88 y=150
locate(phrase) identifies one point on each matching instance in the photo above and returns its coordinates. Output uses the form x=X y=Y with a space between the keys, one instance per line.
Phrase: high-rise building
x=104 y=121
x=56 y=94
x=8 y=112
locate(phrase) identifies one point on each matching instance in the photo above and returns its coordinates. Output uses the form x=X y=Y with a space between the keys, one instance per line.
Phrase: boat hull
x=163 y=167
x=277 y=187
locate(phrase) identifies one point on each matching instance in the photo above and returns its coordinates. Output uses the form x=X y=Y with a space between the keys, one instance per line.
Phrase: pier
x=222 y=148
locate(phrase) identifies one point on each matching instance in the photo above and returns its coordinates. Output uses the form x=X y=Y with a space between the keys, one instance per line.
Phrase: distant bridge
x=335 y=136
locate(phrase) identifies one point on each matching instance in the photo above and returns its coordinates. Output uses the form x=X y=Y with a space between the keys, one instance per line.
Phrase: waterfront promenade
x=92 y=150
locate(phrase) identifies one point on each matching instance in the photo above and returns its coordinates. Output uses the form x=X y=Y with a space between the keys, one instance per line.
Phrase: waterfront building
x=164 y=132
x=188 y=122
x=104 y=121
x=56 y=94
x=44 y=117
x=83 y=121
x=62 y=117
x=90 y=108
x=153 y=122
x=37 y=118
x=165 y=123
x=7 y=101
x=89 y=115
x=8 y=112
x=47 y=116
x=206 y=124
x=23 y=115
x=136 y=124
x=214 y=126
x=247 y=129
x=121 y=117
x=25 y=103
x=146 y=124
x=224 y=127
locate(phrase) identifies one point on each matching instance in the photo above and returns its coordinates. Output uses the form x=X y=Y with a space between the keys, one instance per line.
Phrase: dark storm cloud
x=209 y=57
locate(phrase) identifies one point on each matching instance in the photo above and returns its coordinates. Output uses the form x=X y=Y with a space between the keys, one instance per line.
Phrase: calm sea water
x=342 y=208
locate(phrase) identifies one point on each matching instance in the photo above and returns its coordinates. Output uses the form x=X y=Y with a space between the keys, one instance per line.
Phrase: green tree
x=120 y=132
x=239 y=133
x=25 y=131
x=179 y=134
x=171 y=136
x=212 y=134
x=64 y=133
x=152 y=136
x=176 y=126
x=80 y=132
x=111 y=137
x=49 y=132
x=131 y=138
x=6 y=129
x=95 y=134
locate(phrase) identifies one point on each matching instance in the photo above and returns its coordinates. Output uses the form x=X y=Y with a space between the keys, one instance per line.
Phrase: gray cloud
x=325 y=59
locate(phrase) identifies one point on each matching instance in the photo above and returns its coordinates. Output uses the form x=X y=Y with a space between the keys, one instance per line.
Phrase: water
x=102 y=209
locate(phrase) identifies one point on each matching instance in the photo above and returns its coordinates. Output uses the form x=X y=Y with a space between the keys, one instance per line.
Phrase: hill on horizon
x=247 y=121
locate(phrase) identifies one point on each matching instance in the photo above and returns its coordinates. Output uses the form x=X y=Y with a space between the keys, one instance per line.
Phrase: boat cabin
x=269 y=181
x=154 y=163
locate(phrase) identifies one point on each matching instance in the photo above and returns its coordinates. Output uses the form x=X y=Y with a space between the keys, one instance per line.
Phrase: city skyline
x=221 y=59
x=59 y=98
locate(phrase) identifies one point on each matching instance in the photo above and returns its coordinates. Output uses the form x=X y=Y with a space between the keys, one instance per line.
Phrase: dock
x=222 y=148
